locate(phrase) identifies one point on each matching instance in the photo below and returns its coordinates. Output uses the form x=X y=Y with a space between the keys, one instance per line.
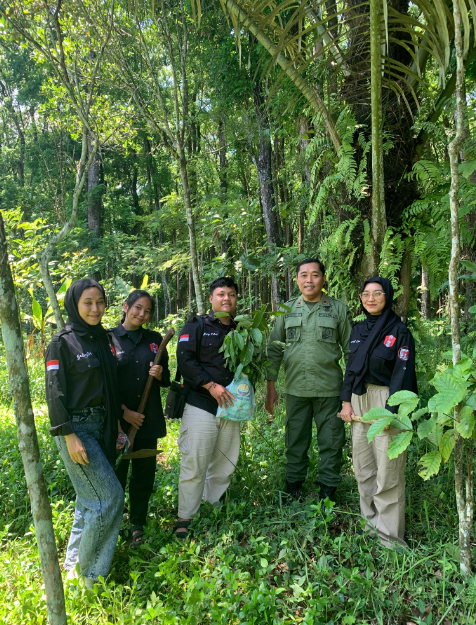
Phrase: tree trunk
x=463 y=474
x=27 y=439
x=83 y=166
x=177 y=295
x=264 y=170
x=425 y=293
x=190 y=290
x=192 y=236
x=403 y=300
x=94 y=196
x=379 y=223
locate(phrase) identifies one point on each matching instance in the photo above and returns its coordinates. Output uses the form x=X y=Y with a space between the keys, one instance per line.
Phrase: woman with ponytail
x=135 y=349
x=381 y=362
x=84 y=408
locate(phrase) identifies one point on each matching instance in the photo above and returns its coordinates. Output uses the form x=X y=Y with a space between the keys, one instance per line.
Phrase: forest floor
x=252 y=561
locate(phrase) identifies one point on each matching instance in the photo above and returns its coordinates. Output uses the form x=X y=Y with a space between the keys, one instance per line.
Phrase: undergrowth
x=252 y=561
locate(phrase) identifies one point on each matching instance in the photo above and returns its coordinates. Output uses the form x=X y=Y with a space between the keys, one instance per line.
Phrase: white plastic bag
x=244 y=405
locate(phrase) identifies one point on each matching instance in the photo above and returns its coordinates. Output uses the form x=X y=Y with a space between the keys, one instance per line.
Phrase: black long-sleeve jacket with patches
x=204 y=365
x=391 y=363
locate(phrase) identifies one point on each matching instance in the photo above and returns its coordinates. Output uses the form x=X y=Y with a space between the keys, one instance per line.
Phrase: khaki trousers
x=381 y=481
x=210 y=448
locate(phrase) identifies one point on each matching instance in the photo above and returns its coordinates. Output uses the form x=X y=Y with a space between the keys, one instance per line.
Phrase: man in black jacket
x=210 y=446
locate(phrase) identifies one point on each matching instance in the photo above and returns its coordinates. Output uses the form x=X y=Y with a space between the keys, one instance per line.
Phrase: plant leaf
x=426 y=427
x=256 y=335
x=378 y=427
x=435 y=436
x=431 y=464
x=447 y=443
x=465 y=425
x=419 y=413
x=407 y=400
x=399 y=443
x=376 y=413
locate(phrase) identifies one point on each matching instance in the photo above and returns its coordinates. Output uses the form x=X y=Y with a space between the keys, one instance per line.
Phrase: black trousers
x=141 y=482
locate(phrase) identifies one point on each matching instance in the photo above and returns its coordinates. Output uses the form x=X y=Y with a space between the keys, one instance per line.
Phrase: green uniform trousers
x=300 y=411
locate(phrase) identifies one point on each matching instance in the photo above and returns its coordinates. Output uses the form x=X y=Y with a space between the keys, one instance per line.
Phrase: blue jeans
x=99 y=499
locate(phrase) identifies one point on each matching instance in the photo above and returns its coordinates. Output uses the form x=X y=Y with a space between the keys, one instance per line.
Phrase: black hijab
x=372 y=332
x=103 y=351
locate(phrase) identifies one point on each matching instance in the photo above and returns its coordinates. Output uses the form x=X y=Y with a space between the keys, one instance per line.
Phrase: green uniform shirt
x=315 y=340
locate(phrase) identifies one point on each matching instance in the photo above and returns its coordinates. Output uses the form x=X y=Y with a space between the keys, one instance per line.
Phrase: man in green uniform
x=316 y=332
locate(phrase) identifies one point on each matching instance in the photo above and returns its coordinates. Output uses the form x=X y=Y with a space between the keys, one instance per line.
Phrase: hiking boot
x=327 y=491
x=293 y=491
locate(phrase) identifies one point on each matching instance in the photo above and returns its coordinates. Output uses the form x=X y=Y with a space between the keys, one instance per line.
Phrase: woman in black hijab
x=381 y=362
x=84 y=408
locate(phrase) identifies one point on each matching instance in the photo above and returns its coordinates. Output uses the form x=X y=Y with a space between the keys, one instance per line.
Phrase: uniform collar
x=212 y=317
x=324 y=301
x=121 y=331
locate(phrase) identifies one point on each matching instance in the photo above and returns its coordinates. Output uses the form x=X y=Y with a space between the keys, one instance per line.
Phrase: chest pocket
x=292 y=326
x=86 y=364
x=382 y=351
x=327 y=329
x=210 y=341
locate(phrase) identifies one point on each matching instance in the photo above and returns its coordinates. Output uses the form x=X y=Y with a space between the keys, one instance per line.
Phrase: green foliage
x=245 y=347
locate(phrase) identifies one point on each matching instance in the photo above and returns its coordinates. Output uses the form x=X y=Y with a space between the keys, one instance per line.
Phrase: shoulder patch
x=404 y=353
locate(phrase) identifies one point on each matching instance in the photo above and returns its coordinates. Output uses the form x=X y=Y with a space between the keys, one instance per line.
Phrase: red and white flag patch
x=404 y=353
x=112 y=350
x=51 y=365
x=389 y=340
x=184 y=337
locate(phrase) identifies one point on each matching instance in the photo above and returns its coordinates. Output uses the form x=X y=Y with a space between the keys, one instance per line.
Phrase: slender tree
x=463 y=451
x=28 y=440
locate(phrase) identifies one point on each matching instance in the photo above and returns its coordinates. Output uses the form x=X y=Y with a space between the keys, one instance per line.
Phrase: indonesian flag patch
x=404 y=353
x=154 y=347
x=389 y=340
x=184 y=337
x=51 y=365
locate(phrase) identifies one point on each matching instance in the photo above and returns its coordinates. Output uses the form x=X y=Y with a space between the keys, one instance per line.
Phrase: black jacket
x=73 y=379
x=133 y=372
x=392 y=363
x=209 y=366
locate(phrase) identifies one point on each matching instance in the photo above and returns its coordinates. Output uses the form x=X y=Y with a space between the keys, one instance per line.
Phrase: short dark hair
x=308 y=261
x=133 y=297
x=223 y=281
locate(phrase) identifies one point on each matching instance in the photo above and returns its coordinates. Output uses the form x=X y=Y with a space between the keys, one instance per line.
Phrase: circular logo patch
x=404 y=353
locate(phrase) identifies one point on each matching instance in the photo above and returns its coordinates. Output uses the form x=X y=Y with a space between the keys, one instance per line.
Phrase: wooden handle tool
x=358 y=419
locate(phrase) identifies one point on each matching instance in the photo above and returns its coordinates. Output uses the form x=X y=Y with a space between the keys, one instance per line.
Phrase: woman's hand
x=76 y=449
x=156 y=371
x=134 y=418
x=347 y=413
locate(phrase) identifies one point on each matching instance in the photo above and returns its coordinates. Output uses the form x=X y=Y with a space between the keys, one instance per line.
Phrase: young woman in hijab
x=135 y=349
x=381 y=362
x=84 y=408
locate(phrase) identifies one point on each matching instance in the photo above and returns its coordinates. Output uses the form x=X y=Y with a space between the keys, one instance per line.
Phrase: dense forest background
x=164 y=143
x=206 y=150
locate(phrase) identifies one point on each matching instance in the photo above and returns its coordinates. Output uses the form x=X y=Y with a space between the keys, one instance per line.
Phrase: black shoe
x=293 y=491
x=327 y=491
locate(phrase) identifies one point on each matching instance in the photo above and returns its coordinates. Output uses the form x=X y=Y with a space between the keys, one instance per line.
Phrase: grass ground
x=252 y=561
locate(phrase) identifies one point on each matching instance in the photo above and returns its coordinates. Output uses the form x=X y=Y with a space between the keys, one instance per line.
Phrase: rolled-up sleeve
x=187 y=357
x=403 y=375
x=56 y=364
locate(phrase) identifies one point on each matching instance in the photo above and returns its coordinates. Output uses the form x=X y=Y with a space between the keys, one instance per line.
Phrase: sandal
x=137 y=537
x=182 y=525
